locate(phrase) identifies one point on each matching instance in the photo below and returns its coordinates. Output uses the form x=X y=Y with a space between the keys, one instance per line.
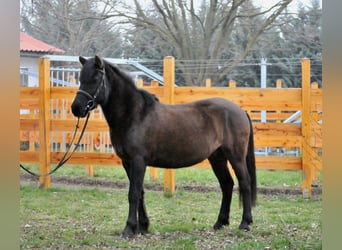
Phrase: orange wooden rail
x=44 y=126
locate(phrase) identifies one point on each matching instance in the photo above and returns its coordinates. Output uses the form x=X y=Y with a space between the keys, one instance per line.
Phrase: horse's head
x=92 y=86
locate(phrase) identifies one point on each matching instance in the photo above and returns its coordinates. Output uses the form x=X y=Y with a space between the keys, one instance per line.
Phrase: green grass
x=184 y=176
x=92 y=218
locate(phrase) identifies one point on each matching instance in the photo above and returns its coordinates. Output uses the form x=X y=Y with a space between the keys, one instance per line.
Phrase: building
x=30 y=50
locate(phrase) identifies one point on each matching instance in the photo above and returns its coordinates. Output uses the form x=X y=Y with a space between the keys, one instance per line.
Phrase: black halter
x=91 y=104
x=65 y=158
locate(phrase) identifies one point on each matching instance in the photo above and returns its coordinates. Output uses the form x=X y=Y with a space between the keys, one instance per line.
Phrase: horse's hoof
x=143 y=231
x=244 y=227
x=127 y=234
x=143 y=228
x=219 y=225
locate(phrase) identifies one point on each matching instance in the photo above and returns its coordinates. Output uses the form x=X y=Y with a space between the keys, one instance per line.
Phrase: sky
x=292 y=6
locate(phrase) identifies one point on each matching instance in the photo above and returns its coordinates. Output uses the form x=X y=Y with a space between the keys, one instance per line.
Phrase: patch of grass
x=92 y=218
x=184 y=176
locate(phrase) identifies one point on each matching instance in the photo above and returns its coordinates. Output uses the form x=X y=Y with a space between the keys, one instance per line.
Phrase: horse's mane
x=149 y=98
x=119 y=72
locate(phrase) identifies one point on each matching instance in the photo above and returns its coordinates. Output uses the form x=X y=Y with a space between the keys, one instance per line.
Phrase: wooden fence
x=49 y=123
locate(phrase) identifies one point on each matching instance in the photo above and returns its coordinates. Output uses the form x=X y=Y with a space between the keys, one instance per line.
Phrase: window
x=24 y=76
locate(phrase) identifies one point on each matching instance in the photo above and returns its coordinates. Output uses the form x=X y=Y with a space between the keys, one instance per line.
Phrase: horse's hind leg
x=219 y=164
x=240 y=168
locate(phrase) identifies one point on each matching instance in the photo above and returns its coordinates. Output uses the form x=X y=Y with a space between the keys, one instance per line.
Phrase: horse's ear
x=99 y=62
x=82 y=60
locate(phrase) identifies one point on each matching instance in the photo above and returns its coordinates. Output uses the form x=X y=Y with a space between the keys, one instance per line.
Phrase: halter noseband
x=91 y=104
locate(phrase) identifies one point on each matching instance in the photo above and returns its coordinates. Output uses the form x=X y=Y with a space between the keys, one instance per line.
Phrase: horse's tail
x=250 y=160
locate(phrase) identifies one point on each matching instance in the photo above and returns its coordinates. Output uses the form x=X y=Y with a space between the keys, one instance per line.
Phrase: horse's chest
x=117 y=142
x=124 y=146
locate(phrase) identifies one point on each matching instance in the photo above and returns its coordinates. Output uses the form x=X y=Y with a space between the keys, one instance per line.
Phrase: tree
x=298 y=36
x=200 y=35
x=217 y=39
x=292 y=37
x=303 y=37
x=73 y=25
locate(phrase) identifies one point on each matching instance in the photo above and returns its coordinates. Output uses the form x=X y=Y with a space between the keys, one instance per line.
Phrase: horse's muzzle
x=78 y=109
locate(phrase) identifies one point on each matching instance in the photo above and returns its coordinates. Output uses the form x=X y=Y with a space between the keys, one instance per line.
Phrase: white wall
x=32 y=64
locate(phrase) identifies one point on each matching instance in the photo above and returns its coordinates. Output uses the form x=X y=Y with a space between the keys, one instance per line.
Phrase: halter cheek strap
x=91 y=104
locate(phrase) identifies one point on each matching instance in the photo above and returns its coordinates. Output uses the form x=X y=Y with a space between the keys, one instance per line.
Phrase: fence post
x=208 y=83
x=306 y=129
x=279 y=84
x=314 y=135
x=169 y=91
x=44 y=121
x=263 y=84
x=154 y=83
x=90 y=167
x=232 y=84
x=140 y=83
x=153 y=170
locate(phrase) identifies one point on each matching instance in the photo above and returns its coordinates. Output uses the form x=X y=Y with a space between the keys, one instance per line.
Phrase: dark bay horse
x=146 y=132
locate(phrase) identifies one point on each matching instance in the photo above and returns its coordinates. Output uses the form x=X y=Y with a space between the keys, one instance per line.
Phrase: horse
x=145 y=132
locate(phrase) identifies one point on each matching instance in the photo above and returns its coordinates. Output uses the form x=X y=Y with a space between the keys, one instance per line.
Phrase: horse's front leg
x=135 y=170
x=143 y=219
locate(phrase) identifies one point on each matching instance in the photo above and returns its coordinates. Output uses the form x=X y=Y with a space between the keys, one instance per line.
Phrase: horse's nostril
x=76 y=109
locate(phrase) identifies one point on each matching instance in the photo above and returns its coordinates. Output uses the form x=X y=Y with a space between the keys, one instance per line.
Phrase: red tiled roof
x=30 y=44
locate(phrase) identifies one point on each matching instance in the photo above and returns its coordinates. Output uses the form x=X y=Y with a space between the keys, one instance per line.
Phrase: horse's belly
x=182 y=136
x=174 y=163
x=175 y=157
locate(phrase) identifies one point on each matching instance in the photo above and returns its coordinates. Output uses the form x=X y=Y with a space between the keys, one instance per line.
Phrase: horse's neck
x=122 y=102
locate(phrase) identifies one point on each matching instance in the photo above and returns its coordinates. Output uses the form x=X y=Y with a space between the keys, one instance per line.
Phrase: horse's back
x=230 y=121
x=226 y=111
x=221 y=103
x=185 y=134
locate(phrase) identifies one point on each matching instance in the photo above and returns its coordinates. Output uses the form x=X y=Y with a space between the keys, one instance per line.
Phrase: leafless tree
x=200 y=33
x=77 y=26
x=208 y=38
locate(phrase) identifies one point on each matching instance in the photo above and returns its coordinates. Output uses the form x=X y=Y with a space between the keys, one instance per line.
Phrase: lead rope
x=64 y=159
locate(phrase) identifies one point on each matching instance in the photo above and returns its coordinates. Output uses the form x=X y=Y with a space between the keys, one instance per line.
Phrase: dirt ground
x=79 y=182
